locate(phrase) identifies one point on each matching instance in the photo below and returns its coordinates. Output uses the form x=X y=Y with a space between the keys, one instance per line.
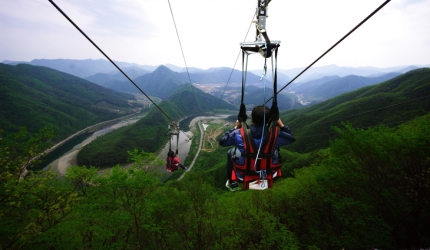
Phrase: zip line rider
x=173 y=162
x=233 y=137
x=255 y=160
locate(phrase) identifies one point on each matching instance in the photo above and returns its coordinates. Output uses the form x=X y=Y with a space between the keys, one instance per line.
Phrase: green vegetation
x=37 y=97
x=370 y=190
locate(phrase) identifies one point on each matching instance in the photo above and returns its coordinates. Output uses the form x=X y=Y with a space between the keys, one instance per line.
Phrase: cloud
x=210 y=31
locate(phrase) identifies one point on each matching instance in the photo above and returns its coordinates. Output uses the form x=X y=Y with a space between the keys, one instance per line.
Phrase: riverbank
x=70 y=158
x=201 y=132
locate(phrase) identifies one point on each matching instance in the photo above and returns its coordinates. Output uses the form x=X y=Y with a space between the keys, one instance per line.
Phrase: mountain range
x=328 y=87
x=89 y=67
x=82 y=68
x=334 y=70
x=164 y=83
x=312 y=86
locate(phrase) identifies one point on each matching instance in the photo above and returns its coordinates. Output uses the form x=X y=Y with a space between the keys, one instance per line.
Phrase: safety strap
x=242 y=110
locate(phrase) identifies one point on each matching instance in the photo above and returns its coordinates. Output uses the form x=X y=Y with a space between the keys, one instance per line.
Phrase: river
x=69 y=158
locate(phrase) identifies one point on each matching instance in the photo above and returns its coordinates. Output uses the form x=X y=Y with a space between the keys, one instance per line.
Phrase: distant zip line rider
x=173 y=162
x=237 y=158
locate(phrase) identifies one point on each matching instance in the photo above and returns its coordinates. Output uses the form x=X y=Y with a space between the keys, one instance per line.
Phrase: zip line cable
x=234 y=66
x=343 y=38
x=183 y=56
x=101 y=51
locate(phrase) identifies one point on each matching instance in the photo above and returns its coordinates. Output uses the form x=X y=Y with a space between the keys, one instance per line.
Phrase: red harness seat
x=257 y=168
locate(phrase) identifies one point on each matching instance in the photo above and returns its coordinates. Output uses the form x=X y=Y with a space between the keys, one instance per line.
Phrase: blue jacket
x=234 y=138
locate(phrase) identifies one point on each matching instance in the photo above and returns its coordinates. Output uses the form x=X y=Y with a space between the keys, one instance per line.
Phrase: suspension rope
x=183 y=55
x=244 y=73
x=101 y=51
x=343 y=38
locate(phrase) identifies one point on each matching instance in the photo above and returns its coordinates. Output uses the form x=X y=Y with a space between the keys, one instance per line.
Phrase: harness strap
x=264 y=161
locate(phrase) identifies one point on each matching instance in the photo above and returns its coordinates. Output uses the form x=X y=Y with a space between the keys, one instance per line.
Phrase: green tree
x=393 y=170
x=31 y=203
x=116 y=207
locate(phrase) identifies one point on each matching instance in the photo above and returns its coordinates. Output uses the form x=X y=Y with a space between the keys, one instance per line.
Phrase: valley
x=358 y=166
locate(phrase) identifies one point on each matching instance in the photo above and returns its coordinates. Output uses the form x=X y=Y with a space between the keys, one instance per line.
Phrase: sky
x=210 y=31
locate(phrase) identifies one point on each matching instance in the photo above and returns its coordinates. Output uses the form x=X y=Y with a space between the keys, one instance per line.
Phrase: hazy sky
x=142 y=31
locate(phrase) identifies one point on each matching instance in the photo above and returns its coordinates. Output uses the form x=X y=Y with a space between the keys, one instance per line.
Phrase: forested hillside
x=390 y=103
x=192 y=100
x=162 y=82
x=37 y=97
